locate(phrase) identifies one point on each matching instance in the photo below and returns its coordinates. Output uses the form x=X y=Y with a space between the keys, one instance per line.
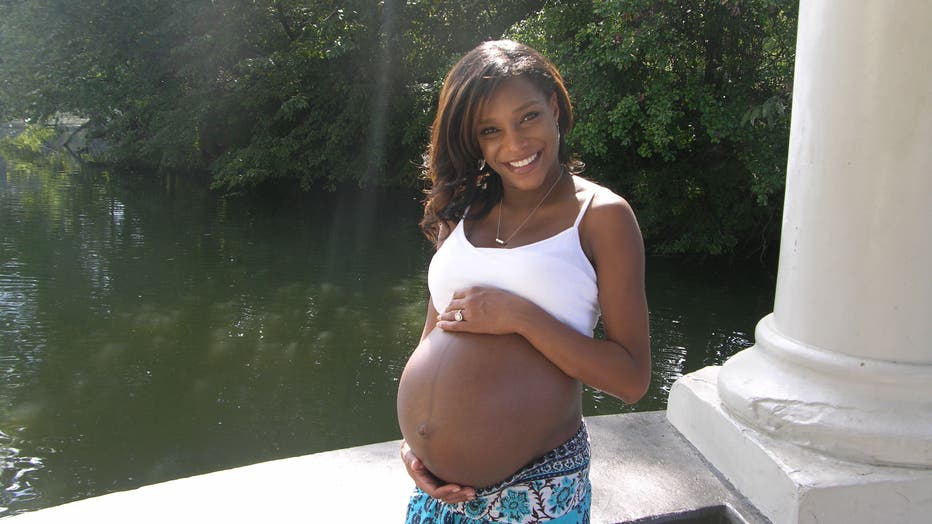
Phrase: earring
x=481 y=182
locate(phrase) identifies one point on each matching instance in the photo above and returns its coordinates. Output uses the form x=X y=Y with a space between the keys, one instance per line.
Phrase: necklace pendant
x=498 y=229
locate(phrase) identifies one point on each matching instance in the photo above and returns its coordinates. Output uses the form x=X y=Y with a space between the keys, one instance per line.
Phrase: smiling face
x=517 y=130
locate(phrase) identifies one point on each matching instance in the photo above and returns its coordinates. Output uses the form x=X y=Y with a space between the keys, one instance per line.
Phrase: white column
x=837 y=390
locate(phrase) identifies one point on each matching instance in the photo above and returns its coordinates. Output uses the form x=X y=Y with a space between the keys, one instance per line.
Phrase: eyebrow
x=518 y=109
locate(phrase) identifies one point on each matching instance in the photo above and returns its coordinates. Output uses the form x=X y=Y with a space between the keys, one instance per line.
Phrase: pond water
x=150 y=330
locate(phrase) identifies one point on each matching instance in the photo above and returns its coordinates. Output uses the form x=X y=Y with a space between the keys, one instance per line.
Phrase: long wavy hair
x=452 y=158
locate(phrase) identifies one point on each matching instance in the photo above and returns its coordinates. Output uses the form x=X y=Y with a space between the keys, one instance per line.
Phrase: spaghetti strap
x=582 y=211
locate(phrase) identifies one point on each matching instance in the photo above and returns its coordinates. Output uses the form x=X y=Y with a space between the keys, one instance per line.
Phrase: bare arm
x=431 y=319
x=620 y=364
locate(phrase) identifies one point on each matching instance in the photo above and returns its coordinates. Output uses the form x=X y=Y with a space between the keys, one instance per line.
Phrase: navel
x=423 y=430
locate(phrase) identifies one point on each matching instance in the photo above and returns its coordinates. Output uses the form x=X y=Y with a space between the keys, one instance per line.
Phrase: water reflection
x=17 y=471
x=150 y=331
x=700 y=317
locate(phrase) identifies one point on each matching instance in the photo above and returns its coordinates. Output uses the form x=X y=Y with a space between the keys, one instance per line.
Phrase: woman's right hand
x=424 y=479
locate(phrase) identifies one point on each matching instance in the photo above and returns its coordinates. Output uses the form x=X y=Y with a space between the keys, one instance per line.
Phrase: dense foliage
x=682 y=104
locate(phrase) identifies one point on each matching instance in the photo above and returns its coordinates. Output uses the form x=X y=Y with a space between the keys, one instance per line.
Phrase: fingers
x=452 y=326
x=451 y=316
x=424 y=479
x=457 y=304
x=460 y=293
x=451 y=493
x=447 y=493
x=455 y=313
x=454 y=494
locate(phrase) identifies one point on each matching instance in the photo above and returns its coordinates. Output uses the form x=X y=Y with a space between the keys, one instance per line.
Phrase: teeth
x=526 y=161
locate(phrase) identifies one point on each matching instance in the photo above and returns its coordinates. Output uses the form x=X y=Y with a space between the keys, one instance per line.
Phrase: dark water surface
x=150 y=331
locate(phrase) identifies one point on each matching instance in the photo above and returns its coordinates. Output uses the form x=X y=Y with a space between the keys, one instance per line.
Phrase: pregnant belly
x=476 y=408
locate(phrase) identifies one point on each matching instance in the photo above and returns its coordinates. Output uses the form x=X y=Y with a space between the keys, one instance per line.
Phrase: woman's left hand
x=481 y=310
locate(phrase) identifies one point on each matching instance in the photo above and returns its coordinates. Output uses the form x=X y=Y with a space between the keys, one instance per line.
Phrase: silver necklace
x=498 y=230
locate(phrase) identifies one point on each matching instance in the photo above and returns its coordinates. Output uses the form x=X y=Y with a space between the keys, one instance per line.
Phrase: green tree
x=255 y=91
x=107 y=61
x=360 y=88
x=682 y=105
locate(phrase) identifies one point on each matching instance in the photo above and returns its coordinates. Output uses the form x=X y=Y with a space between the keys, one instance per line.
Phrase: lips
x=521 y=163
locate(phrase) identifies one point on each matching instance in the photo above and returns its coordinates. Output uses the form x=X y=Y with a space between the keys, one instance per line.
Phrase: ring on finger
x=458 y=315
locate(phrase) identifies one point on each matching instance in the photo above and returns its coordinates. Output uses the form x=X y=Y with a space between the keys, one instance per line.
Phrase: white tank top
x=553 y=273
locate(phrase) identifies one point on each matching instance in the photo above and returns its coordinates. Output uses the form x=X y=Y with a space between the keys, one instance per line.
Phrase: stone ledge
x=788 y=483
x=642 y=470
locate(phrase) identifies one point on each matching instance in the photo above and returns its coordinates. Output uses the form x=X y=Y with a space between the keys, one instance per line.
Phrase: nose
x=515 y=141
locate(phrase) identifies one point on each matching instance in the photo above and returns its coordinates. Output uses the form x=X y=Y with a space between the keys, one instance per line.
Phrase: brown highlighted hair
x=451 y=159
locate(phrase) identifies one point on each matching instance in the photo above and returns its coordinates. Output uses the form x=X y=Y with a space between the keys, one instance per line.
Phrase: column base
x=788 y=483
x=850 y=408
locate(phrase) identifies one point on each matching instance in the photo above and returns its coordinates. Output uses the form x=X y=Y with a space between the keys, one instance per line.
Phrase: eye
x=487 y=131
x=530 y=116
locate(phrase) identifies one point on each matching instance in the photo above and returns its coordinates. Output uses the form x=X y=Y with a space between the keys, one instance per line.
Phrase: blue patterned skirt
x=554 y=488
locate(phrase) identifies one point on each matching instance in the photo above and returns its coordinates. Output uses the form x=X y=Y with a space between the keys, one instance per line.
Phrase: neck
x=517 y=199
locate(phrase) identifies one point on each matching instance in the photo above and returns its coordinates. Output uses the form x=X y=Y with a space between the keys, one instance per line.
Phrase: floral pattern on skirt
x=554 y=488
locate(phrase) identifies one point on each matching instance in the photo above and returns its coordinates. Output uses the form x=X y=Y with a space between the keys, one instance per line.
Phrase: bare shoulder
x=609 y=213
x=609 y=228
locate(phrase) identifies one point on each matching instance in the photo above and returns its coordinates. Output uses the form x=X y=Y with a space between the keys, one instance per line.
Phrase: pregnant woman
x=529 y=255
